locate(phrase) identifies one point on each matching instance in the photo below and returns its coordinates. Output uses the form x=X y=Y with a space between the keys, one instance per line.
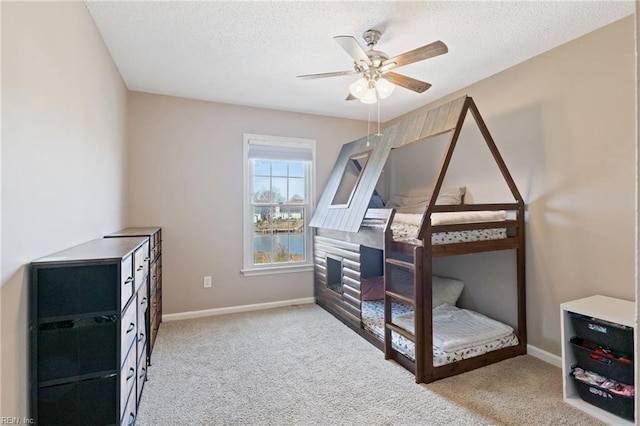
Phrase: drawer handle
x=143 y=301
x=146 y=259
x=131 y=327
x=140 y=268
x=129 y=280
x=140 y=337
x=132 y=372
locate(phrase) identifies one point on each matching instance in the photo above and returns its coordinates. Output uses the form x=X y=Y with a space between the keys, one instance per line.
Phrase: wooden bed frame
x=360 y=252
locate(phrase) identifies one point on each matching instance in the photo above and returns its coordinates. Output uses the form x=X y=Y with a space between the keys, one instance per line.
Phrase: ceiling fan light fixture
x=370 y=97
x=359 y=88
x=384 y=88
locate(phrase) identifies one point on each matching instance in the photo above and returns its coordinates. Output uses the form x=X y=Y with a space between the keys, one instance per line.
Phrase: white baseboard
x=544 y=356
x=236 y=309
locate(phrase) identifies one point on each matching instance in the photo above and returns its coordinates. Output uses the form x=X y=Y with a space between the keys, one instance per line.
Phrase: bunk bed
x=356 y=245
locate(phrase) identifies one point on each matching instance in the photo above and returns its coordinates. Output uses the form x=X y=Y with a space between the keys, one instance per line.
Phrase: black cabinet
x=85 y=339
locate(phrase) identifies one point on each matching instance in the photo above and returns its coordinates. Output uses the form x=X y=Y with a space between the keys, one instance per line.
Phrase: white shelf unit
x=605 y=308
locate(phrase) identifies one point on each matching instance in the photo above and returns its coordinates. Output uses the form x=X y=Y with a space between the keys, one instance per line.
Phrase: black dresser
x=88 y=333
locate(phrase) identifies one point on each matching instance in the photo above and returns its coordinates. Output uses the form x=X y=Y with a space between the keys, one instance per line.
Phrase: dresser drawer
x=128 y=331
x=128 y=415
x=615 y=336
x=153 y=278
x=142 y=375
x=128 y=379
x=155 y=248
x=141 y=263
x=93 y=401
x=603 y=362
x=76 y=347
x=126 y=281
x=142 y=335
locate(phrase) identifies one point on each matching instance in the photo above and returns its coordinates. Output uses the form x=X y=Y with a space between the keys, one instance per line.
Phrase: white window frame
x=249 y=268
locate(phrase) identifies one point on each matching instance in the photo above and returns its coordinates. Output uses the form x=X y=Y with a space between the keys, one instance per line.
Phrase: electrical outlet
x=207 y=282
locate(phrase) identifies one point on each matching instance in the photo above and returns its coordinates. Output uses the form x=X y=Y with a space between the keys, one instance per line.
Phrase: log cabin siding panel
x=351 y=265
x=353 y=275
x=370 y=237
x=338 y=252
x=350 y=282
x=339 y=243
x=352 y=303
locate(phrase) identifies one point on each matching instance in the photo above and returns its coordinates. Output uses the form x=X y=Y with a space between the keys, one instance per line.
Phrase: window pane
x=261 y=190
x=296 y=190
x=297 y=235
x=278 y=190
x=263 y=219
x=262 y=234
x=262 y=167
x=296 y=169
x=279 y=234
x=279 y=168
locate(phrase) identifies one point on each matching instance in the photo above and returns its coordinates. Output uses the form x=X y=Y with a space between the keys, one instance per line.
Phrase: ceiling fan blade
x=327 y=74
x=421 y=53
x=353 y=48
x=406 y=82
x=350 y=97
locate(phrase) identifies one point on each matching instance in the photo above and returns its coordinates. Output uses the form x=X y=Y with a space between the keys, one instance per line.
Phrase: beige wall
x=564 y=123
x=186 y=176
x=63 y=163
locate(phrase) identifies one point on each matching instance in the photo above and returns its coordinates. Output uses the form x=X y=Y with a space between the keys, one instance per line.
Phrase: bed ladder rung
x=399 y=296
x=401 y=263
x=404 y=333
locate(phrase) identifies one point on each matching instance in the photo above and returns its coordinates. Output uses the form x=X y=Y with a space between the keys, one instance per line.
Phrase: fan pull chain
x=379 y=102
x=368 y=124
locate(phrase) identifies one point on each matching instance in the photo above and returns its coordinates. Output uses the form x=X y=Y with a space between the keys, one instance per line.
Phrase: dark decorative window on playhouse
x=334 y=274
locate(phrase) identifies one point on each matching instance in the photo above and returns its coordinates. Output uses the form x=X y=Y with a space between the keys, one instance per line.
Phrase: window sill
x=272 y=270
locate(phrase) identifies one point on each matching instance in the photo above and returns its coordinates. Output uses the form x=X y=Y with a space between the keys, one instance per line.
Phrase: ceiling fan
x=375 y=67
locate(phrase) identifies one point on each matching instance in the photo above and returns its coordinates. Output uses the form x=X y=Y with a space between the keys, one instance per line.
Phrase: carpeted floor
x=301 y=366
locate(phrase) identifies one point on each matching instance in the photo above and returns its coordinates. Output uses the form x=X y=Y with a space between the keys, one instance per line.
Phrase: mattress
x=408 y=233
x=405 y=227
x=445 y=317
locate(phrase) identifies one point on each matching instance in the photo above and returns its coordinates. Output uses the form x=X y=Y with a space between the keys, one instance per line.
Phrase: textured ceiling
x=250 y=52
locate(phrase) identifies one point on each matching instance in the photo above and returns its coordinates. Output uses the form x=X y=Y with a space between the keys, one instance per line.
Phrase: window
x=278 y=202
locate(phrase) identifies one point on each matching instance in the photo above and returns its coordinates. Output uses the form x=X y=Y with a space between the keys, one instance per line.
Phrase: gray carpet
x=301 y=366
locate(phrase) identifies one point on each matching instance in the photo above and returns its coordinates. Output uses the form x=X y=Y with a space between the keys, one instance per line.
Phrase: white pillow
x=406 y=204
x=451 y=196
x=446 y=290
